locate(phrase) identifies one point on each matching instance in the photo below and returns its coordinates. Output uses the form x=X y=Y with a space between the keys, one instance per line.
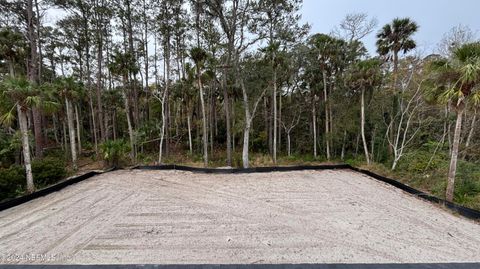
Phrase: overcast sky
x=435 y=17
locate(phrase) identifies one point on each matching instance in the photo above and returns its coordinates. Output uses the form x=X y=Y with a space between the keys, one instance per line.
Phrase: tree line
x=222 y=78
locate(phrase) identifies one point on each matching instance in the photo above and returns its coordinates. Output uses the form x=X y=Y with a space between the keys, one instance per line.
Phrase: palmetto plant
x=113 y=151
x=456 y=81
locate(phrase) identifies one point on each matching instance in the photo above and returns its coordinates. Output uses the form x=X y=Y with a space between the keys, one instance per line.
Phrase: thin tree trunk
x=342 y=155
x=65 y=139
x=167 y=97
x=71 y=130
x=129 y=123
x=246 y=137
x=22 y=118
x=162 y=132
x=39 y=44
x=210 y=120
x=37 y=127
x=288 y=144
x=279 y=118
x=314 y=124
x=204 y=121
x=79 y=130
x=470 y=133
x=114 y=124
x=454 y=157
x=94 y=124
x=274 y=144
x=189 y=125
x=362 y=116
x=327 y=124
x=99 y=90
x=33 y=77
x=226 y=104
x=372 y=144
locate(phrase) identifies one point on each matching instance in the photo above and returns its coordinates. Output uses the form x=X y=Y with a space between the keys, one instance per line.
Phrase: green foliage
x=396 y=37
x=114 y=152
x=9 y=146
x=418 y=161
x=48 y=171
x=12 y=182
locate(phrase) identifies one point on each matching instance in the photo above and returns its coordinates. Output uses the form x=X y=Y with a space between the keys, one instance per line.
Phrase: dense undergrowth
x=46 y=172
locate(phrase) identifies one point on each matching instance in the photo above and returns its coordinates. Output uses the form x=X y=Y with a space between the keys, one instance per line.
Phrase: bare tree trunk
x=162 y=131
x=274 y=144
x=327 y=124
x=210 y=120
x=204 y=121
x=226 y=104
x=314 y=123
x=288 y=144
x=362 y=116
x=246 y=138
x=454 y=157
x=94 y=124
x=37 y=127
x=98 y=91
x=167 y=96
x=39 y=43
x=65 y=139
x=342 y=155
x=33 y=77
x=279 y=118
x=71 y=130
x=470 y=133
x=129 y=122
x=22 y=118
x=248 y=121
x=79 y=130
x=372 y=144
x=114 y=124
x=189 y=125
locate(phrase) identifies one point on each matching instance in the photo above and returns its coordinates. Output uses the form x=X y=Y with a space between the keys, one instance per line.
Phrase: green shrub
x=48 y=171
x=54 y=153
x=45 y=172
x=114 y=152
x=12 y=182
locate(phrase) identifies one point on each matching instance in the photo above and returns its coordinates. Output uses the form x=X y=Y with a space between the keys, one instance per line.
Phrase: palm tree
x=328 y=52
x=69 y=90
x=24 y=96
x=121 y=66
x=396 y=37
x=365 y=76
x=456 y=81
x=199 y=56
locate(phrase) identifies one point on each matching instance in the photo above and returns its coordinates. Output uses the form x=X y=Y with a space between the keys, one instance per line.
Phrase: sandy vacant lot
x=180 y=217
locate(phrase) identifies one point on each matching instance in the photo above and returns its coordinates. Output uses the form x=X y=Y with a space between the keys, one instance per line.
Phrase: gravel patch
x=176 y=217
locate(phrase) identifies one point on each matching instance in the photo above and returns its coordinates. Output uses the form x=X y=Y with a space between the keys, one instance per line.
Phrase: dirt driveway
x=172 y=217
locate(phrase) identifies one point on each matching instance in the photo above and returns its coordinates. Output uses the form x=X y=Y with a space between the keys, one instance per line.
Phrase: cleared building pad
x=174 y=217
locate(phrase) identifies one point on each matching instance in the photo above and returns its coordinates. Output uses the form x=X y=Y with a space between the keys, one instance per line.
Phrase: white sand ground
x=180 y=217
